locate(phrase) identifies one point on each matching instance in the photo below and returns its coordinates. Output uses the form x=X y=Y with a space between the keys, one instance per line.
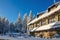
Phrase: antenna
x=19 y=14
x=54 y=1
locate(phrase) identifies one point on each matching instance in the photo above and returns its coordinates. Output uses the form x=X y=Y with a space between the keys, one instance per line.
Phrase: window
x=31 y=27
x=43 y=23
x=52 y=20
x=35 y=25
x=52 y=8
x=38 y=25
x=59 y=18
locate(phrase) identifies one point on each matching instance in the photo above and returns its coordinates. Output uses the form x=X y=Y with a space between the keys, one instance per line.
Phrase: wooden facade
x=54 y=17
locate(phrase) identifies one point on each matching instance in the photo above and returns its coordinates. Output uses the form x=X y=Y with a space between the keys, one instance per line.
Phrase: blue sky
x=11 y=8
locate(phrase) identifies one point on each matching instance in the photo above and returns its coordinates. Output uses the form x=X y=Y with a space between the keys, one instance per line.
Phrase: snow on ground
x=25 y=38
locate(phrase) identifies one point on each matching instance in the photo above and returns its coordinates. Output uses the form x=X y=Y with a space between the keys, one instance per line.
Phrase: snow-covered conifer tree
x=24 y=23
x=11 y=27
x=30 y=15
x=19 y=23
x=6 y=24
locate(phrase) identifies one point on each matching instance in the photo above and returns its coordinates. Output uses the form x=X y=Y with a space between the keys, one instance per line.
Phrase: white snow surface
x=28 y=38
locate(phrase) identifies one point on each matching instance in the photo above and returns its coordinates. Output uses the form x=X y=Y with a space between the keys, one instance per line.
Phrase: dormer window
x=52 y=8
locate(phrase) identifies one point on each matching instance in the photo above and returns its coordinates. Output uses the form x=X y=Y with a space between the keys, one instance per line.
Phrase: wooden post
x=56 y=17
x=46 y=21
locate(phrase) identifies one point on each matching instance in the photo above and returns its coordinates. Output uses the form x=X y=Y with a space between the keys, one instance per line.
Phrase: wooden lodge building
x=47 y=23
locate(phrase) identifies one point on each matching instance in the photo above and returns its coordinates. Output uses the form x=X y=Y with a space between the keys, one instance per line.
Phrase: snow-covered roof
x=40 y=13
x=46 y=27
x=45 y=15
x=57 y=3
